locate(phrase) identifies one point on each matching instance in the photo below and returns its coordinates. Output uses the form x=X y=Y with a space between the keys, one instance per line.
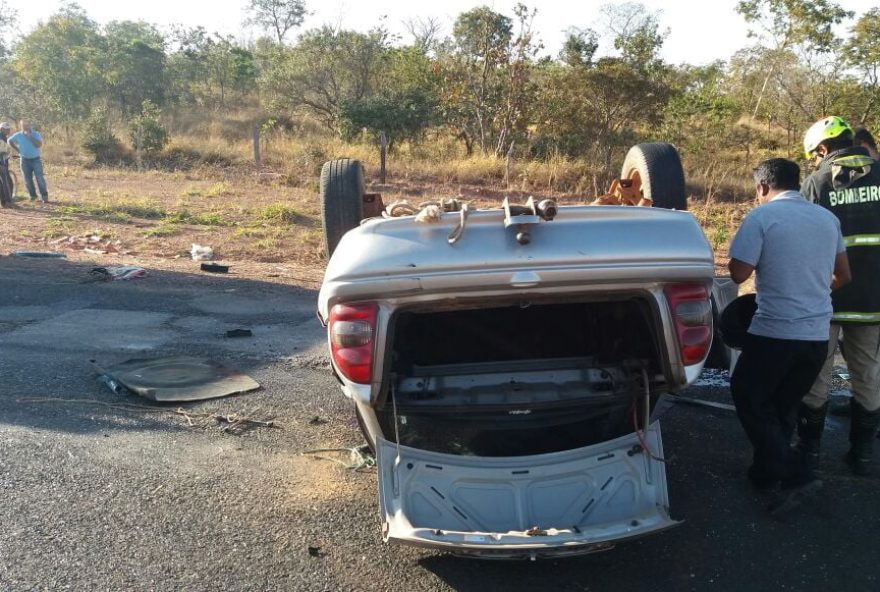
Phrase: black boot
x=811 y=423
x=862 y=431
x=840 y=408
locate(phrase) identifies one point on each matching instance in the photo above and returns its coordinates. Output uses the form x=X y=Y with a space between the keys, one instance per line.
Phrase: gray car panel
x=564 y=502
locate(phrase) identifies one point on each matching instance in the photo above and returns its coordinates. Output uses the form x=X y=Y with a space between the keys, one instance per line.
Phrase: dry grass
x=273 y=216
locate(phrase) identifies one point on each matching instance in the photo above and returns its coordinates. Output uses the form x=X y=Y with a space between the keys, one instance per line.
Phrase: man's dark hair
x=863 y=137
x=778 y=173
x=844 y=140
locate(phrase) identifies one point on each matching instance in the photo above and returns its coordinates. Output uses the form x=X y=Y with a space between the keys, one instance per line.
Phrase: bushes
x=99 y=141
x=147 y=133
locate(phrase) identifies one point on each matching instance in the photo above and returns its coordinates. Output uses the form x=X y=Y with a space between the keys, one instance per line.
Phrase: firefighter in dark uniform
x=847 y=182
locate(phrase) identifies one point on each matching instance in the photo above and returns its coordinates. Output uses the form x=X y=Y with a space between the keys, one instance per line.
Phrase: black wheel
x=656 y=170
x=342 y=199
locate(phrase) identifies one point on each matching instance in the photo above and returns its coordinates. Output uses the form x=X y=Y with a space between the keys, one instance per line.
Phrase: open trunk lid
x=562 y=503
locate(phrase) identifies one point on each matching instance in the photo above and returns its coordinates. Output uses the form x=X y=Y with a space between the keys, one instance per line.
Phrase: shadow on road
x=54 y=318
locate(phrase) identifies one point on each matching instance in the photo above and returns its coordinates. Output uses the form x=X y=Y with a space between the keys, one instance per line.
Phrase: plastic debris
x=91 y=243
x=201 y=252
x=215 y=268
x=122 y=272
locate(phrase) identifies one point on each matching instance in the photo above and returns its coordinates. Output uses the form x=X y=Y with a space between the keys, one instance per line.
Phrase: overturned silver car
x=504 y=364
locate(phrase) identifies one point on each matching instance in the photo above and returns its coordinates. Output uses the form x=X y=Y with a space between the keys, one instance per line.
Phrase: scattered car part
x=39 y=254
x=178 y=378
x=214 y=267
x=239 y=333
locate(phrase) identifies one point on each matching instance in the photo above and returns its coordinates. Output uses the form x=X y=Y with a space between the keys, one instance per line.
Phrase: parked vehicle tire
x=342 y=199
x=655 y=168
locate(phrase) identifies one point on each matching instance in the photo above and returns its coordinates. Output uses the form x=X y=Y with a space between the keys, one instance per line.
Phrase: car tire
x=656 y=168
x=342 y=199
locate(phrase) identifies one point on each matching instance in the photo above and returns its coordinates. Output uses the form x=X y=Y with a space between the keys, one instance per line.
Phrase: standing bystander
x=28 y=143
x=5 y=181
x=788 y=336
x=847 y=183
x=862 y=137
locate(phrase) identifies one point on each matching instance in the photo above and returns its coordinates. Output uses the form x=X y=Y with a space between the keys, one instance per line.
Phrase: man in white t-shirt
x=797 y=252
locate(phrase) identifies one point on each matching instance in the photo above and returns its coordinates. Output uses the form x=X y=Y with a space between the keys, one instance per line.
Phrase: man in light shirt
x=788 y=336
x=28 y=142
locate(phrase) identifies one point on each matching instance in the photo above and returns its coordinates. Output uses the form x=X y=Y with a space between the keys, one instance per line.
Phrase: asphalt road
x=96 y=494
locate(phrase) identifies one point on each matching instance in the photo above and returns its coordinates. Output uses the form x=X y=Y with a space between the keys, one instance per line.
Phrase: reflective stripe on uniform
x=862 y=317
x=861 y=240
x=854 y=161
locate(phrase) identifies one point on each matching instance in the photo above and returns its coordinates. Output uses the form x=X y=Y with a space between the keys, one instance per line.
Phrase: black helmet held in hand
x=736 y=319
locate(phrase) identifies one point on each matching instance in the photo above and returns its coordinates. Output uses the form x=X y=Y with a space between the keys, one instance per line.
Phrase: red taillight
x=692 y=314
x=352 y=331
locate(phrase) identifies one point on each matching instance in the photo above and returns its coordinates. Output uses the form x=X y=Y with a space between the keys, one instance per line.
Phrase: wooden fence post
x=383 y=150
x=257 y=158
x=138 y=147
x=507 y=165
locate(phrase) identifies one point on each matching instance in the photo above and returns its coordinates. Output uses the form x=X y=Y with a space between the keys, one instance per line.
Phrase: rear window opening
x=519 y=379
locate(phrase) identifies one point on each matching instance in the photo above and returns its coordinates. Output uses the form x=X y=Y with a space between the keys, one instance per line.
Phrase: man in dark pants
x=788 y=336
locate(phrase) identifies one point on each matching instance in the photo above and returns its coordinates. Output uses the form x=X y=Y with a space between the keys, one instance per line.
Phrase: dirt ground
x=263 y=224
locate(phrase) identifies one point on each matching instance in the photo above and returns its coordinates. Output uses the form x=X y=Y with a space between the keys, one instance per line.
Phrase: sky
x=701 y=31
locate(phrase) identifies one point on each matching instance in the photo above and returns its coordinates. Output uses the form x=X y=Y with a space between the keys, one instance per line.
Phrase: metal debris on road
x=239 y=333
x=360 y=457
x=232 y=423
x=179 y=378
x=701 y=402
x=39 y=254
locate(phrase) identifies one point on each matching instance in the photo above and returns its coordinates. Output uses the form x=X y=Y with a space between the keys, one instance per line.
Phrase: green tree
x=637 y=33
x=8 y=22
x=792 y=26
x=862 y=53
x=487 y=90
x=794 y=22
x=402 y=115
x=62 y=63
x=326 y=69
x=277 y=16
x=579 y=47
x=135 y=63
x=209 y=69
